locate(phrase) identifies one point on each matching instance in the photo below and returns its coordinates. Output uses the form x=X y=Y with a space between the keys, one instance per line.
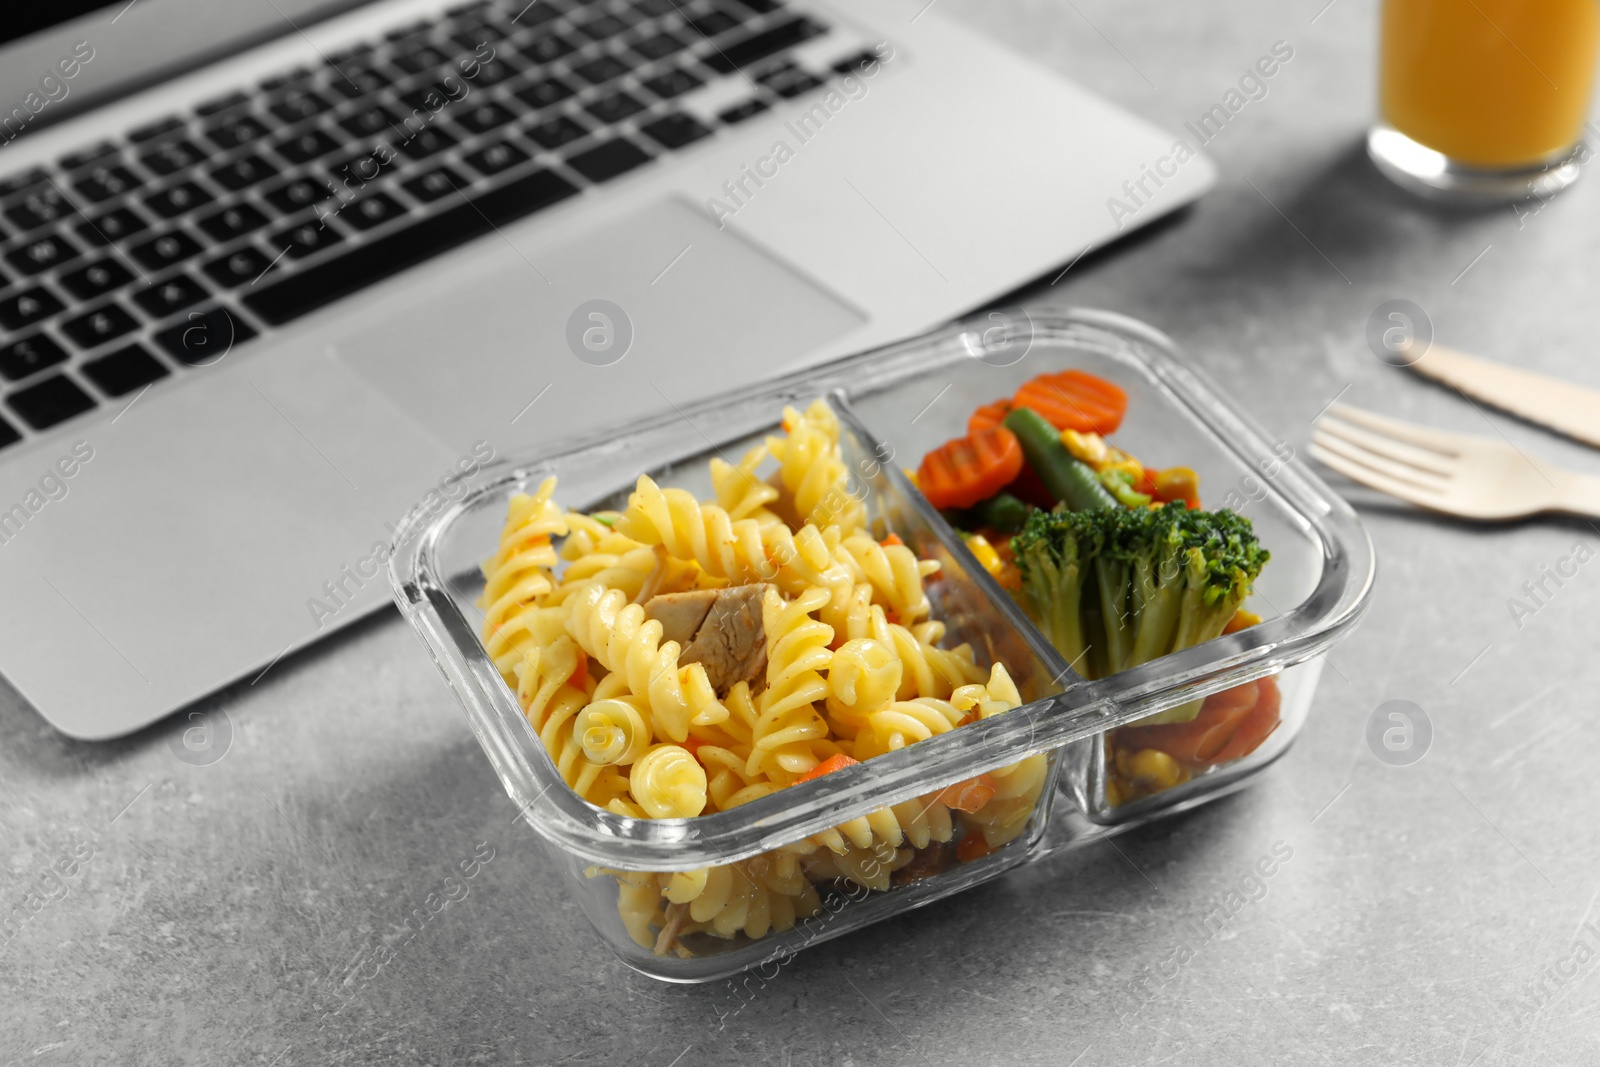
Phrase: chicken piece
x=720 y=629
x=680 y=614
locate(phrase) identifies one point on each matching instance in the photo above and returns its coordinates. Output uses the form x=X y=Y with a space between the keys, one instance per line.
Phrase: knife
x=1562 y=406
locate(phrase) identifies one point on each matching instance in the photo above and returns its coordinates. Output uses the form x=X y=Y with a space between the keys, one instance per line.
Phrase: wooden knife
x=1562 y=406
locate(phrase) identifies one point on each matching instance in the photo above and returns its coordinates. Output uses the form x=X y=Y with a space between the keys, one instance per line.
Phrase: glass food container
x=777 y=890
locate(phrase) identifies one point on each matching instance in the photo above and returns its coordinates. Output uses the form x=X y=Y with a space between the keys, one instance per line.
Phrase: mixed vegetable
x=1115 y=562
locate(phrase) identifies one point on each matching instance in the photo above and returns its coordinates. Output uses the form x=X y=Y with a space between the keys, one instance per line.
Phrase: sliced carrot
x=989 y=416
x=961 y=472
x=580 y=676
x=973 y=847
x=1075 y=400
x=1257 y=726
x=1198 y=741
x=892 y=539
x=969 y=795
x=836 y=762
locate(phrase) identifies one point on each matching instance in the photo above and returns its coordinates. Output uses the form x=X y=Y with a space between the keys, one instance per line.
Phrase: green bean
x=1069 y=479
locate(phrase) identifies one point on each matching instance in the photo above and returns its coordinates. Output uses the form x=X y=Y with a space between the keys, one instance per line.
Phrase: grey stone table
x=1433 y=914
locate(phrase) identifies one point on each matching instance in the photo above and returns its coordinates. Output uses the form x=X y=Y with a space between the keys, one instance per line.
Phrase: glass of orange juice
x=1485 y=99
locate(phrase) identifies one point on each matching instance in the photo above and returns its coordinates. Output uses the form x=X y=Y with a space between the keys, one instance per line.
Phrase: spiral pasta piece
x=893 y=572
x=863 y=677
x=740 y=491
x=668 y=783
x=612 y=731
x=797 y=653
x=518 y=575
x=548 y=689
x=812 y=471
x=743 y=551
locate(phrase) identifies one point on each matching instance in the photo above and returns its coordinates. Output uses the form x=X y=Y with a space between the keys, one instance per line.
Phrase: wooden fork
x=1473 y=477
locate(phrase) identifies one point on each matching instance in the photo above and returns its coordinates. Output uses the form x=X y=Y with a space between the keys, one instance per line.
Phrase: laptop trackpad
x=654 y=308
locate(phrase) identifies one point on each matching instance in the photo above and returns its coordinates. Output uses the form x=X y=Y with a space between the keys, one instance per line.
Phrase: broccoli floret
x=1116 y=587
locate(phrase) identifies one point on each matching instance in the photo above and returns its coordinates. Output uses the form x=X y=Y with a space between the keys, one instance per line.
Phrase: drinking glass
x=1484 y=99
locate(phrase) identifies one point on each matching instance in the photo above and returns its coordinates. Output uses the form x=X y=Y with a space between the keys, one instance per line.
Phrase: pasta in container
x=760 y=694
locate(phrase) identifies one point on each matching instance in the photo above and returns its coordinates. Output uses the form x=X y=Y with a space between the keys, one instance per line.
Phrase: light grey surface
x=1422 y=904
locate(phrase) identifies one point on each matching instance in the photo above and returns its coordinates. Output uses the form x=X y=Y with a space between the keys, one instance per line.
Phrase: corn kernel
x=1178 y=483
x=1132 y=466
x=911 y=476
x=1154 y=768
x=986 y=554
x=1089 y=447
x=1116 y=796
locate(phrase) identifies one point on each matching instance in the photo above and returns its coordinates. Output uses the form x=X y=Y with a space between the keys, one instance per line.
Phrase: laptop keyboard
x=132 y=260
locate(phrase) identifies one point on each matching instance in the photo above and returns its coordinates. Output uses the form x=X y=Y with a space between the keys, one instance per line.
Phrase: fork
x=1472 y=477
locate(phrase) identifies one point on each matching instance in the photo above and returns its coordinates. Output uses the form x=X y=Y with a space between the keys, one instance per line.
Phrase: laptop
x=271 y=271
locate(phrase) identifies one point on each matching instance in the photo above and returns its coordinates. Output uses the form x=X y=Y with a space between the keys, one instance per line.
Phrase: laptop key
x=306 y=290
x=236 y=132
x=600 y=70
x=788 y=80
x=713 y=24
x=97 y=279
x=52 y=401
x=372 y=120
x=98 y=326
x=660 y=46
x=547 y=48
x=243 y=172
x=298 y=105
x=352 y=83
x=434 y=184
x=608 y=159
x=673 y=83
x=235 y=221
x=42 y=254
x=165 y=250
x=16 y=183
x=171 y=158
x=602 y=27
x=614 y=107
x=42 y=205
x=83 y=157
x=373 y=209
x=170 y=295
x=29 y=355
x=545 y=92
x=296 y=195
x=484 y=117
x=427 y=142
x=217 y=105
x=104 y=182
x=674 y=131
x=28 y=307
x=240 y=267
x=753 y=49
x=288 y=77
x=496 y=158
x=204 y=336
x=305 y=146
x=174 y=201
x=420 y=60
x=489 y=73
x=151 y=131
x=114 y=225
x=8 y=435
x=739 y=112
x=124 y=370
x=306 y=239
x=557 y=132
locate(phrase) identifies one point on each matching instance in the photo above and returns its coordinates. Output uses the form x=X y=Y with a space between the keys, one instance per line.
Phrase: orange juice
x=1489 y=83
